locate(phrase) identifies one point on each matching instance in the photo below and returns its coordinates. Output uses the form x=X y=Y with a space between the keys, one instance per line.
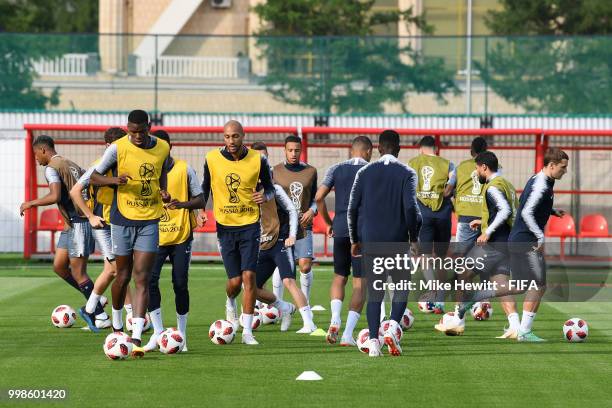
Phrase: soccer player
x=139 y=167
x=436 y=180
x=341 y=177
x=383 y=197
x=299 y=180
x=175 y=238
x=498 y=212
x=232 y=174
x=279 y=224
x=97 y=211
x=76 y=242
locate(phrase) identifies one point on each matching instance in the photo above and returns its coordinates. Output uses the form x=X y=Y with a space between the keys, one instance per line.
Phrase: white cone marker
x=309 y=376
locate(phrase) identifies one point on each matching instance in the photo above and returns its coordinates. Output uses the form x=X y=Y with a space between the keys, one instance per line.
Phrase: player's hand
x=289 y=242
x=356 y=249
x=306 y=218
x=559 y=213
x=165 y=196
x=201 y=219
x=258 y=197
x=175 y=204
x=24 y=207
x=474 y=225
x=121 y=180
x=539 y=247
x=330 y=231
x=482 y=239
x=96 y=222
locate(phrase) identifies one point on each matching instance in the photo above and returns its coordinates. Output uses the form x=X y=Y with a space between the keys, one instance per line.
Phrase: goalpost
x=586 y=189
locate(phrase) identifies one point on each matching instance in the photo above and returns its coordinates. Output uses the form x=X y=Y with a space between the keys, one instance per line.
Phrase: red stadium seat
x=51 y=220
x=562 y=228
x=454 y=222
x=211 y=224
x=593 y=226
x=320 y=227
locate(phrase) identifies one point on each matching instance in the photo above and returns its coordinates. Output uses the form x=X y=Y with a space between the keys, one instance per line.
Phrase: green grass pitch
x=473 y=370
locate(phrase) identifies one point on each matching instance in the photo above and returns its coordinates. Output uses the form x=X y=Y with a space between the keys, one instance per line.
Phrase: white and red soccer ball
x=407 y=319
x=257 y=320
x=63 y=316
x=364 y=336
x=129 y=322
x=575 y=330
x=426 y=307
x=393 y=327
x=171 y=341
x=447 y=318
x=117 y=346
x=482 y=311
x=269 y=314
x=222 y=332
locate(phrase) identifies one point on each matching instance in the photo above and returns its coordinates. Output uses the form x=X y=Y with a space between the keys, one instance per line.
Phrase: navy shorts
x=343 y=261
x=494 y=260
x=528 y=265
x=239 y=249
x=438 y=231
x=276 y=257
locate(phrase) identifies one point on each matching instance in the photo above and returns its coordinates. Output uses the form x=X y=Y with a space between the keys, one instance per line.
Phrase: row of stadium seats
x=591 y=226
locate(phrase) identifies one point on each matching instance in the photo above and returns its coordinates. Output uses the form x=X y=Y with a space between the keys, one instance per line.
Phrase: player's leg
x=398 y=306
x=342 y=270
x=355 y=308
x=277 y=284
x=123 y=245
x=154 y=306
x=103 y=241
x=61 y=261
x=373 y=316
x=230 y=255
x=426 y=248
x=181 y=259
x=536 y=266
x=303 y=252
x=248 y=247
x=442 y=237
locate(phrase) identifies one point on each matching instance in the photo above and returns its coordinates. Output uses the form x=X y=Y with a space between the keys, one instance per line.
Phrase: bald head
x=233 y=136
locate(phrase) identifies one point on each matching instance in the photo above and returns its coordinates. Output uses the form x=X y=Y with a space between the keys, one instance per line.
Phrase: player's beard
x=482 y=179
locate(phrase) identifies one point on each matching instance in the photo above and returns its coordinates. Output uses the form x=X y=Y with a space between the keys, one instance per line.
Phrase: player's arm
x=412 y=213
x=353 y=214
x=206 y=183
x=557 y=212
x=285 y=202
x=52 y=197
x=108 y=161
x=531 y=204
x=452 y=180
x=163 y=181
x=322 y=192
x=503 y=213
x=306 y=218
x=76 y=195
x=265 y=178
x=196 y=199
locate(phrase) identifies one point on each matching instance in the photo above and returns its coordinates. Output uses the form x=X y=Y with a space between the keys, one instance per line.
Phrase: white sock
x=336 y=309
x=102 y=316
x=247 y=323
x=137 y=325
x=230 y=303
x=117 y=319
x=382 y=311
x=513 y=321
x=92 y=302
x=103 y=299
x=128 y=308
x=527 y=321
x=284 y=307
x=305 y=284
x=351 y=322
x=277 y=284
x=307 y=316
x=181 y=322
x=156 y=321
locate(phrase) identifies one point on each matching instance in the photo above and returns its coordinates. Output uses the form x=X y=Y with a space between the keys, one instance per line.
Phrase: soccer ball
x=171 y=341
x=575 y=330
x=407 y=319
x=129 y=323
x=393 y=327
x=364 y=336
x=221 y=332
x=256 y=320
x=63 y=316
x=446 y=318
x=426 y=307
x=117 y=346
x=269 y=314
x=482 y=311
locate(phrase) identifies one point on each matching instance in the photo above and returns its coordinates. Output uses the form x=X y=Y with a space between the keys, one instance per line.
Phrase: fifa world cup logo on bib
x=232 y=182
x=165 y=216
x=146 y=172
x=427 y=172
x=476 y=186
x=295 y=190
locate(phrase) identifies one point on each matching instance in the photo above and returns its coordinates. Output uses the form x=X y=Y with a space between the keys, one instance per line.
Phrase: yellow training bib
x=139 y=198
x=103 y=196
x=232 y=184
x=175 y=226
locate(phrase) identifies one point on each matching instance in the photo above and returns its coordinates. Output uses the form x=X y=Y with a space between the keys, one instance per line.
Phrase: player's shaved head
x=389 y=142
x=427 y=141
x=362 y=147
x=44 y=149
x=44 y=140
x=138 y=117
x=233 y=126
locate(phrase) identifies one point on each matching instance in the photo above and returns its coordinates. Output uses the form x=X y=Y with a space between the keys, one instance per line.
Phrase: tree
x=321 y=55
x=19 y=51
x=561 y=70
